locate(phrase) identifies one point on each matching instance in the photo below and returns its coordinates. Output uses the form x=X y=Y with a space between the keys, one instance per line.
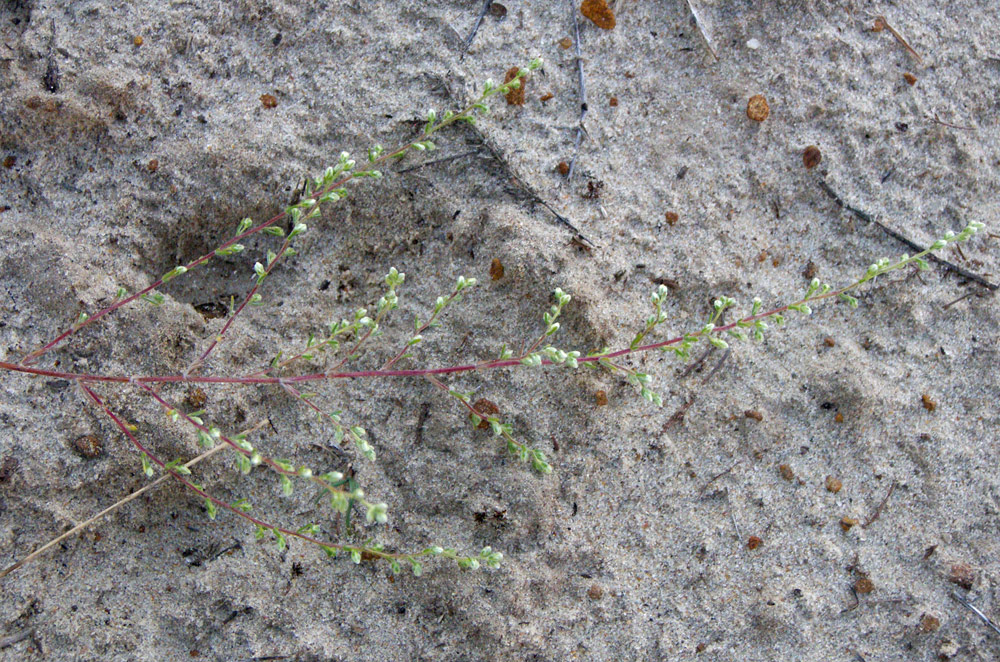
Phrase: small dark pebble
x=8 y=468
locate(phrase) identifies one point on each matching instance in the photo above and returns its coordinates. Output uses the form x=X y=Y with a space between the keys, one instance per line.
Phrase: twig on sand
x=7 y=642
x=881 y=505
x=508 y=171
x=475 y=28
x=445 y=159
x=938 y=120
x=580 y=130
x=868 y=218
x=677 y=417
x=882 y=24
x=113 y=507
x=986 y=619
x=718 y=476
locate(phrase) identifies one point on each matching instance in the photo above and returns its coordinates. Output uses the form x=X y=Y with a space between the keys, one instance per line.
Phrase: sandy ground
x=122 y=160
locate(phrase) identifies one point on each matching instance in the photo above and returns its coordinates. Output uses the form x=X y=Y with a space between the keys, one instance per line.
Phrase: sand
x=122 y=160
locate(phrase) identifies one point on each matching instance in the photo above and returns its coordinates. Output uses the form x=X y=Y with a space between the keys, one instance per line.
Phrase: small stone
x=195 y=398
x=811 y=157
x=847 y=522
x=753 y=542
x=485 y=408
x=910 y=78
x=613 y=102
x=672 y=218
x=138 y=40
x=753 y=44
x=153 y=165
x=833 y=484
x=516 y=96
x=929 y=404
x=829 y=342
x=268 y=100
x=786 y=472
x=602 y=398
x=929 y=623
x=963 y=575
x=496 y=269
x=498 y=11
x=88 y=446
x=864 y=585
x=563 y=168
x=755 y=415
x=565 y=43
x=599 y=13
x=757 y=108
x=948 y=649
x=595 y=592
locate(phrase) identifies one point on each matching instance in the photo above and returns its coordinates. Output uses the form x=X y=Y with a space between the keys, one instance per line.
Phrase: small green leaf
x=147 y=468
x=173 y=273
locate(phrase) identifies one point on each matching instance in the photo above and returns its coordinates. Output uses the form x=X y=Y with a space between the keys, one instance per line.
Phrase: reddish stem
x=421 y=372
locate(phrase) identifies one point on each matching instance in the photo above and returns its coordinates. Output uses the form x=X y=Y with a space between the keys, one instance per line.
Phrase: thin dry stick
x=986 y=619
x=881 y=505
x=113 y=507
x=529 y=192
x=445 y=159
x=882 y=24
x=583 y=92
x=938 y=120
x=868 y=218
x=475 y=28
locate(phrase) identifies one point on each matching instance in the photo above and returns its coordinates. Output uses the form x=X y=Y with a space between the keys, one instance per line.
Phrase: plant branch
x=433 y=127
x=263 y=525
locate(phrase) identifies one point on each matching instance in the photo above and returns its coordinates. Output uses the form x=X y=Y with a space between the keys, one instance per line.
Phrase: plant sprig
x=343 y=491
